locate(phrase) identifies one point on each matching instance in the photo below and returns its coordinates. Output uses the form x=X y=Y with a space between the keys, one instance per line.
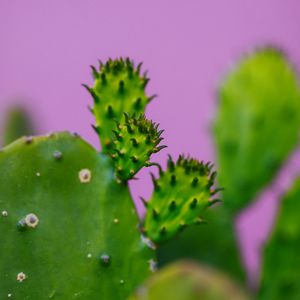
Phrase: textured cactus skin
x=136 y=139
x=17 y=124
x=281 y=260
x=257 y=124
x=78 y=223
x=189 y=281
x=118 y=88
x=181 y=194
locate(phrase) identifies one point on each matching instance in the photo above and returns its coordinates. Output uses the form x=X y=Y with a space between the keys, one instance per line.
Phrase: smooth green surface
x=214 y=244
x=119 y=87
x=17 y=124
x=181 y=195
x=257 y=124
x=281 y=259
x=189 y=281
x=78 y=223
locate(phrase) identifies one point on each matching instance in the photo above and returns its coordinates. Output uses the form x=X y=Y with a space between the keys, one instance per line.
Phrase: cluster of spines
x=181 y=194
x=119 y=87
x=135 y=140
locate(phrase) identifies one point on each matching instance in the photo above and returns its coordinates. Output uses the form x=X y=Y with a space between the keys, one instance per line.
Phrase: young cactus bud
x=181 y=194
x=118 y=88
x=134 y=142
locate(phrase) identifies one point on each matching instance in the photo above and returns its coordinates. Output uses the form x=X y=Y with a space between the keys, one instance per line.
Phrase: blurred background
x=46 y=48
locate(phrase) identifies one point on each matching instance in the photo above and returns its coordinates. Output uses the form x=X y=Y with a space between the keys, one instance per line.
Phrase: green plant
x=189 y=281
x=68 y=226
x=256 y=128
x=17 y=123
x=281 y=263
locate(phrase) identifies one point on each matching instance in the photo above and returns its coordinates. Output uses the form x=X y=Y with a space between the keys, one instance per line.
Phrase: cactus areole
x=68 y=225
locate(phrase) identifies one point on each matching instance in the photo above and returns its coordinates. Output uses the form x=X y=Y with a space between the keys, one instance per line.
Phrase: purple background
x=47 y=46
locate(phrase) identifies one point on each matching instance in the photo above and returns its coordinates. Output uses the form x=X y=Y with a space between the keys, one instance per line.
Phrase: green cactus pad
x=68 y=229
x=188 y=281
x=136 y=139
x=181 y=194
x=17 y=124
x=257 y=124
x=281 y=260
x=118 y=88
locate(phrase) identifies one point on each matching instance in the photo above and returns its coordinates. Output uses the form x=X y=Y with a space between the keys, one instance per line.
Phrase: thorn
x=157 y=149
x=131 y=172
x=154 y=213
x=117 y=135
x=195 y=181
x=154 y=181
x=110 y=111
x=151 y=164
x=103 y=78
x=91 y=110
x=126 y=116
x=159 y=133
x=100 y=64
x=134 y=142
x=94 y=72
x=92 y=93
x=129 y=128
x=217 y=190
x=138 y=69
x=173 y=179
x=144 y=201
x=151 y=98
x=193 y=203
x=138 y=103
x=172 y=205
x=134 y=159
x=121 y=86
x=96 y=128
x=171 y=165
x=145 y=82
x=214 y=201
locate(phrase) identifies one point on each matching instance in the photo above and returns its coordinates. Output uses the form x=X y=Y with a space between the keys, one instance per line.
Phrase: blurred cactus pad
x=255 y=130
x=68 y=225
x=17 y=123
x=189 y=281
x=281 y=261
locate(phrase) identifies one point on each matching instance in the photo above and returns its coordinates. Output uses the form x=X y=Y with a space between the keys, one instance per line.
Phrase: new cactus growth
x=119 y=87
x=186 y=280
x=136 y=139
x=68 y=226
x=281 y=263
x=179 y=198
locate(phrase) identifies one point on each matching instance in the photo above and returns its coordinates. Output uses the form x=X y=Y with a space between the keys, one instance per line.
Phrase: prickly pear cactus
x=281 y=262
x=68 y=226
x=257 y=125
x=119 y=87
x=189 y=281
x=179 y=198
x=17 y=124
x=83 y=242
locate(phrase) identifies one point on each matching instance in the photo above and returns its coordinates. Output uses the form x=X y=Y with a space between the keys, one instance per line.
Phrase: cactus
x=68 y=225
x=257 y=125
x=256 y=128
x=189 y=281
x=281 y=263
x=17 y=124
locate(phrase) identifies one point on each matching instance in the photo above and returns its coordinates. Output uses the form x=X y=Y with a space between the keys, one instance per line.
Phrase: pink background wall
x=47 y=46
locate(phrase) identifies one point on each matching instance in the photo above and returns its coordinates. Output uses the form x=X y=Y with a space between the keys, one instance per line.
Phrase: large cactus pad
x=257 y=124
x=68 y=230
